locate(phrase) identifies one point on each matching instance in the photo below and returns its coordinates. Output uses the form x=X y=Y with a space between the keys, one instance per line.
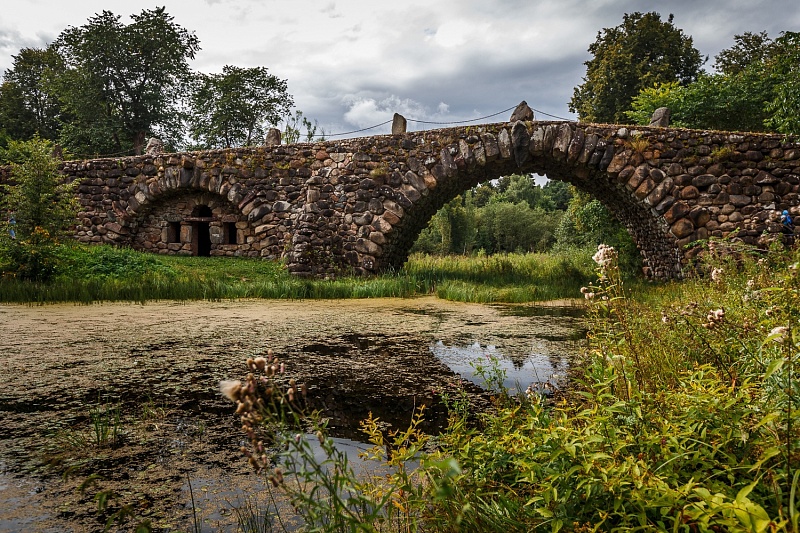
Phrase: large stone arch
x=396 y=202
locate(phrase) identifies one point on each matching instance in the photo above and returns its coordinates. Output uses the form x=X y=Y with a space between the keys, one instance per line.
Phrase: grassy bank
x=686 y=418
x=102 y=273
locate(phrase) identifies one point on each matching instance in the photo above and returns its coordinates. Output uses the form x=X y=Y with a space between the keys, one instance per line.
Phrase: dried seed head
x=230 y=389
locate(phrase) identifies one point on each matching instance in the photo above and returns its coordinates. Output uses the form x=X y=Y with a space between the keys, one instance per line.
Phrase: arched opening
x=201 y=231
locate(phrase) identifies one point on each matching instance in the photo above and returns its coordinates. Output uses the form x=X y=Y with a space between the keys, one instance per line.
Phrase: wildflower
x=584 y=290
x=260 y=363
x=230 y=389
x=716 y=275
x=714 y=318
x=605 y=255
x=751 y=283
x=777 y=334
x=664 y=318
x=589 y=295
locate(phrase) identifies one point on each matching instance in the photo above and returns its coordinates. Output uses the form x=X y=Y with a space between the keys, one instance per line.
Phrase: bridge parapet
x=359 y=204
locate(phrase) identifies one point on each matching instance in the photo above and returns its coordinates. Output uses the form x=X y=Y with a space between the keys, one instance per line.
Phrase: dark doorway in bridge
x=201 y=234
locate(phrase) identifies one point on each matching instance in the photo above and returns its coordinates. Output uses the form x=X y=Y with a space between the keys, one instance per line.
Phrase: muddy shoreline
x=160 y=363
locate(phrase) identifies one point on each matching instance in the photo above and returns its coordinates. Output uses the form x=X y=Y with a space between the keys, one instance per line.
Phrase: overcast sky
x=351 y=64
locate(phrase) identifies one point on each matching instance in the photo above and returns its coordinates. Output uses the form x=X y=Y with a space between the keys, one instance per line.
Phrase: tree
x=714 y=101
x=757 y=88
x=27 y=108
x=235 y=108
x=38 y=208
x=124 y=82
x=784 y=64
x=587 y=223
x=640 y=52
x=749 y=48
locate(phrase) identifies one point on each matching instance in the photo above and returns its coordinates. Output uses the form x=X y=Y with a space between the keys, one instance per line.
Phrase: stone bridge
x=359 y=204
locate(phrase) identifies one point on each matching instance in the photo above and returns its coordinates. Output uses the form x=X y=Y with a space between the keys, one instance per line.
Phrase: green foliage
x=37 y=207
x=106 y=426
x=786 y=64
x=235 y=108
x=505 y=227
x=103 y=273
x=97 y=263
x=588 y=223
x=293 y=133
x=26 y=107
x=123 y=82
x=749 y=48
x=685 y=420
x=515 y=215
x=755 y=90
x=641 y=52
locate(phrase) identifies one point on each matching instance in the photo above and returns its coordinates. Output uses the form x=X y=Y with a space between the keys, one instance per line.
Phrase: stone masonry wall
x=359 y=204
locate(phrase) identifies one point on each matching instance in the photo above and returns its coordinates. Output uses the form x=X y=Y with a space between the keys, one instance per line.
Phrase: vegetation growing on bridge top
x=644 y=64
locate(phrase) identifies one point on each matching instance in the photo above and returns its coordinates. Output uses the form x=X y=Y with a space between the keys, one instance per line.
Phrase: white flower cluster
x=605 y=255
x=778 y=333
x=716 y=275
x=714 y=318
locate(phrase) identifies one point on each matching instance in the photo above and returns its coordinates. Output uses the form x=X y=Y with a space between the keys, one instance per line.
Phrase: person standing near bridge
x=787 y=228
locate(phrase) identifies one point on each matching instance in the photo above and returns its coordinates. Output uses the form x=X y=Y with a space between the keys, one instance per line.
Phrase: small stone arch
x=190 y=222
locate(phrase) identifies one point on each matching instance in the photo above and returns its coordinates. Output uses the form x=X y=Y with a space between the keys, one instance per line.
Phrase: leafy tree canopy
x=27 y=108
x=123 y=82
x=235 y=108
x=640 y=52
x=757 y=88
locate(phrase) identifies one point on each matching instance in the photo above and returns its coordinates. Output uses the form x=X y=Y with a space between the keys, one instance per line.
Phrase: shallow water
x=161 y=363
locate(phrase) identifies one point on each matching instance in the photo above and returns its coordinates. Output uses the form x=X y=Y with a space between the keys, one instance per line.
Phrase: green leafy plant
x=37 y=208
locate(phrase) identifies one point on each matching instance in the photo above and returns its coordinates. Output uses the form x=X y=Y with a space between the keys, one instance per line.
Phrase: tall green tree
x=236 y=107
x=37 y=206
x=640 y=52
x=748 y=48
x=784 y=63
x=27 y=107
x=756 y=88
x=124 y=82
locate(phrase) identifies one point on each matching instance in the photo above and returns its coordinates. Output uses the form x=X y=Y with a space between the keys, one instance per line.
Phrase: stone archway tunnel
x=359 y=204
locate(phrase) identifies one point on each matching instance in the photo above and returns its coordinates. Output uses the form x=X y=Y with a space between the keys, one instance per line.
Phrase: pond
x=129 y=392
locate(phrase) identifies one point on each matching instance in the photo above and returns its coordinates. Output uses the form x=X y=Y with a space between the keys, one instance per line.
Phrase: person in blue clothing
x=787 y=228
x=12 y=222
